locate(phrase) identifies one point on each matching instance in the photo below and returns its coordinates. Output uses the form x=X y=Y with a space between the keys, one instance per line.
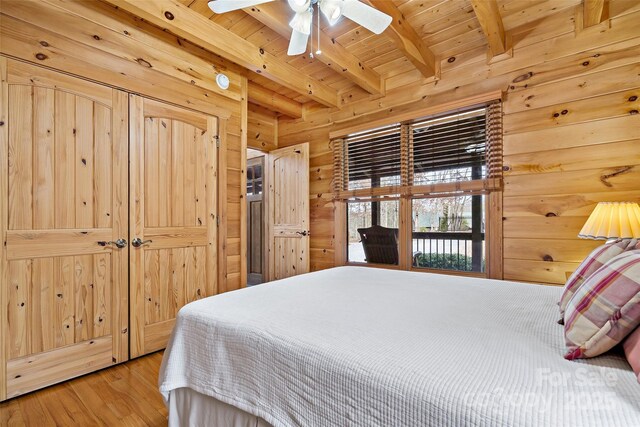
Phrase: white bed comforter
x=368 y=347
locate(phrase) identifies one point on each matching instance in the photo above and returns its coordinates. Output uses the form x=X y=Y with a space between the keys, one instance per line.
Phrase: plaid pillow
x=632 y=350
x=591 y=263
x=605 y=309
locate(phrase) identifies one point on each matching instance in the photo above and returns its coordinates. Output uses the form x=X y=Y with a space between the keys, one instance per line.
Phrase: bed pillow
x=632 y=351
x=605 y=309
x=591 y=263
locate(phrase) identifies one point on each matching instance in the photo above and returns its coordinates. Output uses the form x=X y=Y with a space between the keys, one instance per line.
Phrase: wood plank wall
x=571 y=103
x=97 y=42
x=262 y=128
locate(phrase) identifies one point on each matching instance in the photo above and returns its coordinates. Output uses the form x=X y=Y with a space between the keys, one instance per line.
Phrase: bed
x=355 y=346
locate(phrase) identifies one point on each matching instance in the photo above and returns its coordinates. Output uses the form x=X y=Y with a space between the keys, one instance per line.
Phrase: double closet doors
x=108 y=214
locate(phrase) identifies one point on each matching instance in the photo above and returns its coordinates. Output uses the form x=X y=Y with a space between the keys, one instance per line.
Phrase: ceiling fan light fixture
x=299 y=6
x=332 y=9
x=301 y=22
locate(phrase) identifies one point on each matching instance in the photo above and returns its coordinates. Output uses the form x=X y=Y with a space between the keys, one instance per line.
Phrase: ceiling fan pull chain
x=318 y=52
x=311 y=32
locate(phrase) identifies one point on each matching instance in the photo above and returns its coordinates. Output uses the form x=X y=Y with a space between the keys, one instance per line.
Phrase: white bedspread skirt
x=368 y=347
x=188 y=408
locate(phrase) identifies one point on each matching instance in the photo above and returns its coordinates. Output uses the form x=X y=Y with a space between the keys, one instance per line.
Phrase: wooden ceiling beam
x=277 y=15
x=184 y=22
x=407 y=39
x=488 y=14
x=593 y=12
x=264 y=97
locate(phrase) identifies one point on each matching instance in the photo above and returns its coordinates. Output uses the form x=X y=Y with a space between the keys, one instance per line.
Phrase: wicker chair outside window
x=380 y=244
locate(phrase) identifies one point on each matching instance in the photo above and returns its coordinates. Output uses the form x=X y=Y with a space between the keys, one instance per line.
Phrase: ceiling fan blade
x=222 y=6
x=370 y=18
x=298 y=43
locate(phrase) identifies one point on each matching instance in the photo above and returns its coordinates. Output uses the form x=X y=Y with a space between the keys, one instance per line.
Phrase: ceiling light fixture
x=301 y=22
x=357 y=11
x=332 y=9
x=299 y=6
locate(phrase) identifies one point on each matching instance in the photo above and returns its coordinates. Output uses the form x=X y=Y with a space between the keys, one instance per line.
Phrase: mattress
x=354 y=346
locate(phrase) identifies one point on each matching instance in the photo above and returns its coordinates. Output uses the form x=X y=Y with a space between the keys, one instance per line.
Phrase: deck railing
x=456 y=250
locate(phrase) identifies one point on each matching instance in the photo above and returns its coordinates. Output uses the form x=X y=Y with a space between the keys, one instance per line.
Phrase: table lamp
x=613 y=220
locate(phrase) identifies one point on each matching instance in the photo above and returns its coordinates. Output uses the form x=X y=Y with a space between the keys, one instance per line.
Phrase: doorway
x=255 y=218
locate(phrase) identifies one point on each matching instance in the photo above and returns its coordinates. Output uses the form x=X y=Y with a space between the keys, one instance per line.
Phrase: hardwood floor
x=124 y=395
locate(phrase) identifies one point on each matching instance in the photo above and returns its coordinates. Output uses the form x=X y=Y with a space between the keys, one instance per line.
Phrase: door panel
x=173 y=198
x=255 y=220
x=255 y=243
x=66 y=174
x=288 y=202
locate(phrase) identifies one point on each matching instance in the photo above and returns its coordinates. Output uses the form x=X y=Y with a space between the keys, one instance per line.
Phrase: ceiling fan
x=362 y=14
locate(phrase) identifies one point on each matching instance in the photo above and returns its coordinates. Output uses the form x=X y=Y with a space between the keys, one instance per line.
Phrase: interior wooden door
x=173 y=217
x=288 y=204
x=65 y=204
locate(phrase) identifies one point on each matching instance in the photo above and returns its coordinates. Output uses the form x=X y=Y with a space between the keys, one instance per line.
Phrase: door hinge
x=218 y=221
x=217 y=138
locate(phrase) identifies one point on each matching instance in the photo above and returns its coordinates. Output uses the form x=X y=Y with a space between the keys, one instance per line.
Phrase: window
x=448 y=233
x=366 y=243
x=254 y=179
x=434 y=177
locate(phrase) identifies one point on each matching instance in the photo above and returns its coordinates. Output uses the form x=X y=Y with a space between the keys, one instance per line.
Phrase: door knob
x=120 y=243
x=303 y=233
x=137 y=242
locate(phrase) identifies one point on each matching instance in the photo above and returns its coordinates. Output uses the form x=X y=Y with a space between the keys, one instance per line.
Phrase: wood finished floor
x=124 y=395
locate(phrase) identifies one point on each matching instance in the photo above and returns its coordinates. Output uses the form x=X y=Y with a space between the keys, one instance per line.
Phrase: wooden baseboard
x=30 y=373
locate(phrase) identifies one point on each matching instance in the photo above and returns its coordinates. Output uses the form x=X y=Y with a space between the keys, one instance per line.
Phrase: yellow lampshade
x=613 y=220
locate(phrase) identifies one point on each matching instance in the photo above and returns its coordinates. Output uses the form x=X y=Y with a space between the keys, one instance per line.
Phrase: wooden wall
x=99 y=43
x=571 y=133
x=262 y=127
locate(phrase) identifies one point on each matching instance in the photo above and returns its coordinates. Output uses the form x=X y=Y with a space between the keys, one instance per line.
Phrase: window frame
x=491 y=187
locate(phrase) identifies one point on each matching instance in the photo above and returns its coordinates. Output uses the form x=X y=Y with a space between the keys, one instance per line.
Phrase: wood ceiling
x=355 y=64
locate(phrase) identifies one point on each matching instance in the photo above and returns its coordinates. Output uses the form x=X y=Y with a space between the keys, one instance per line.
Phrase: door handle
x=303 y=233
x=120 y=243
x=137 y=242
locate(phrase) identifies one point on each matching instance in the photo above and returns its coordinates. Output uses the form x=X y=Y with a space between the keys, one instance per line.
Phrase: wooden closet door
x=64 y=193
x=173 y=214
